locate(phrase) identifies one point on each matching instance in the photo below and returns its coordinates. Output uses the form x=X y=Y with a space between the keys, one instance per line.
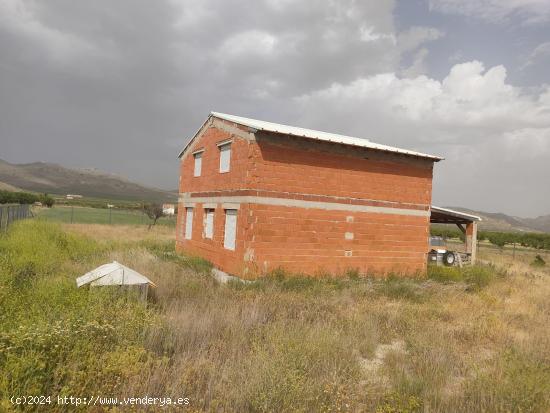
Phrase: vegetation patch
x=476 y=276
x=399 y=288
x=280 y=344
x=538 y=261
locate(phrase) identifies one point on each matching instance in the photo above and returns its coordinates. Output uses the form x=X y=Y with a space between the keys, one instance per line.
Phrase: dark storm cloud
x=122 y=85
x=118 y=84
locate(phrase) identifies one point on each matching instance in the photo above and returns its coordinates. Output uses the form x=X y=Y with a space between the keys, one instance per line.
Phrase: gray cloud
x=122 y=85
x=497 y=11
x=496 y=137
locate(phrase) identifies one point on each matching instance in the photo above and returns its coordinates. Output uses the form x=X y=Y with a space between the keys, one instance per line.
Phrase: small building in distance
x=73 y=196
x=168 y=209
x=256 y=196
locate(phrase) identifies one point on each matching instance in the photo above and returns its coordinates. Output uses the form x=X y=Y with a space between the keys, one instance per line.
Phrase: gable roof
x=259 y=125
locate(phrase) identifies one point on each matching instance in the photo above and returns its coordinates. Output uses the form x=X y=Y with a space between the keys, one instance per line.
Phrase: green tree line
x=9 y=197
x=500 y=239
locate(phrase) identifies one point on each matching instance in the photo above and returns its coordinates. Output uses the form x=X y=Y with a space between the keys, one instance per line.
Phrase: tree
x=47 y=200
x=154 y=212
x=10 y=197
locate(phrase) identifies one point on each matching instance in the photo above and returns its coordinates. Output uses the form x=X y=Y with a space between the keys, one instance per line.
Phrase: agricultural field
x=88 y=215
x=460 y=340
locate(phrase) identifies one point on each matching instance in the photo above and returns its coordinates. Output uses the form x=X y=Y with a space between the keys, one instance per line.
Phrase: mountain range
x=55 y=179
x=496 y=221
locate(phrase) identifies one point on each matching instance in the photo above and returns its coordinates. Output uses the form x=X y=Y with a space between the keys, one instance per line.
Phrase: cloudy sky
x=121 y=85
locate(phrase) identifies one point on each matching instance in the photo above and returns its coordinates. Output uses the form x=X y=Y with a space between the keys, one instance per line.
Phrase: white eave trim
x=456 y=213
x=258 y=125
x=319 y=135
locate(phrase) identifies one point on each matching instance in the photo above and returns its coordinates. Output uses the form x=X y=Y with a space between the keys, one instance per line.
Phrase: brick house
x=256 y=196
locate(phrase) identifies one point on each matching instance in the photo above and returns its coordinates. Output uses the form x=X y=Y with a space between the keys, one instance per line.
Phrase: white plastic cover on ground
x=113 y=273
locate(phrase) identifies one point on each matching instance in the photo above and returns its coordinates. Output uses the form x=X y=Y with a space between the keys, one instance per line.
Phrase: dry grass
x=281 y=345
x=351 y=345
x=123 y=233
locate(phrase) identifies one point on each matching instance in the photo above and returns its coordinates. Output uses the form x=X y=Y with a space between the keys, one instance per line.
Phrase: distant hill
x=7 y=187
x=56 y=179
x=501 y=222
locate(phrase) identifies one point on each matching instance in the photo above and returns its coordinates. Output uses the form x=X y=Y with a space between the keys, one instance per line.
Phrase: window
x=198 y=163
x=230 y=229
x=208 y=223
x=225 y=156
x=188 y=223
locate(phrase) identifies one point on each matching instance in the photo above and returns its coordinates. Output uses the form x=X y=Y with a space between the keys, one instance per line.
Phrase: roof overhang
x=258 y=125
x=449 y=216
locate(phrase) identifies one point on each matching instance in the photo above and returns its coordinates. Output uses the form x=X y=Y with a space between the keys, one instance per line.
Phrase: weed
x=400 y=289
x=538 y=261
x=352 y=273
x=444 y=274
x=399 y=403
x=478 y=276
x=278 y=344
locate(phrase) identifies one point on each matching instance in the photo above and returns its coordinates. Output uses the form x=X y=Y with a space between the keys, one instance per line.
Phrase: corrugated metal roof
x=456 y=213
x=314 y=134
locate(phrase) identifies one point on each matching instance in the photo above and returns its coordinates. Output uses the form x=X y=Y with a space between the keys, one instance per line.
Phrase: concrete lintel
x=330 y=206
x=231 y=205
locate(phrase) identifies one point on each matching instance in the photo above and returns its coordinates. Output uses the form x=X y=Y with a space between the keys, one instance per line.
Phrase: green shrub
x=55 y=338
x=400 y=289
x=478 y=276
x=17 y=197
x=281 y=279
x=538 y=261
x=353 y=273
x=34 y=248
x=445 y=274
x=399 y=403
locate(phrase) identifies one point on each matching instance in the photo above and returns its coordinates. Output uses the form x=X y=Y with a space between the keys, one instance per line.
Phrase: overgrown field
x=87 y=215
x=460 y=341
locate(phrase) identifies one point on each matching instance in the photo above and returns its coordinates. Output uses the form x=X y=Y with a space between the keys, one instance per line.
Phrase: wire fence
x=109 y=216
x=12 y=213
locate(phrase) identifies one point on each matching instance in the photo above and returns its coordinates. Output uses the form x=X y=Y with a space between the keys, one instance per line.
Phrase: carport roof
x=450 y=216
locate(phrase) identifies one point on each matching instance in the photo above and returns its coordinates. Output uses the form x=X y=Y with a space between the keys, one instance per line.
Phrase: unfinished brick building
x=256 y=196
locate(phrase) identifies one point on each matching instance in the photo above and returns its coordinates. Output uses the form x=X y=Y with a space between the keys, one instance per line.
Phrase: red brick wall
x=211 y=178
x=294 y=165
x=213 y=249
x=310 y=241
x=313 y=241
